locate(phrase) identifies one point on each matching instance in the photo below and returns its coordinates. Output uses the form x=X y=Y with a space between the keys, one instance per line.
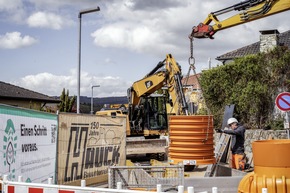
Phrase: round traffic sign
x=283 y=101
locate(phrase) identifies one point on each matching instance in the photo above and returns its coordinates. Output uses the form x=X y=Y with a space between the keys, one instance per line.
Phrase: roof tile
x=11 y=91
x=284 y=39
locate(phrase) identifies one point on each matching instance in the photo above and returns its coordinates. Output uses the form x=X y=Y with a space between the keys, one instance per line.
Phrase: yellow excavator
x=150 y=100
x=147 y=109
x=249 y=10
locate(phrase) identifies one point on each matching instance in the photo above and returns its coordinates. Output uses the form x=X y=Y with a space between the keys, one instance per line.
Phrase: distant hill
x=85 y=103
x=104 y=100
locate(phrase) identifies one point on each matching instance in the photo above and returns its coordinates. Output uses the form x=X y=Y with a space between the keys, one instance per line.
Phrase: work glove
x=219 y=130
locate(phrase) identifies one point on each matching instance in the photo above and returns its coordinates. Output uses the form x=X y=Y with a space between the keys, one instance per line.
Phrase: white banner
x=28 y=144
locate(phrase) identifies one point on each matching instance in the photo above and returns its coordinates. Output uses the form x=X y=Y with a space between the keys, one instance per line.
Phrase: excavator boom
x=148 y=108
x=166 y=73
x=249 y=10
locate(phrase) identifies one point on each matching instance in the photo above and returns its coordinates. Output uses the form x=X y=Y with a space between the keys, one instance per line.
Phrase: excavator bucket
x=202 y=31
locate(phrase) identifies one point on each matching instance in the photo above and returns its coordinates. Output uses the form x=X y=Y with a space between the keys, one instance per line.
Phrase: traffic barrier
x=24 y=187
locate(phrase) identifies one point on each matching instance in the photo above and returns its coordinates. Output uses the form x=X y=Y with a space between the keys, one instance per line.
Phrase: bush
x=251 y=83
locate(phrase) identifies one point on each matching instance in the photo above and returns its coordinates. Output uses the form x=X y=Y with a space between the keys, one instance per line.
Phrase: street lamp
x=92 y=101
x=79 y=63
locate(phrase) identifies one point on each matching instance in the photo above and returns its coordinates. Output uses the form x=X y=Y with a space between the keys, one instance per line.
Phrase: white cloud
x=109 y=61
x=55 y=4
x=145 y=28
x=14 y=40
x=48 y=20
x=52 y=85
x=10 y=4
x=12 y=10
x=136 y=38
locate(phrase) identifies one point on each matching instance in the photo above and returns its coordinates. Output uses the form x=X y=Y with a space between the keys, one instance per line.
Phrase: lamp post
x=79 y=62
x=92 y=101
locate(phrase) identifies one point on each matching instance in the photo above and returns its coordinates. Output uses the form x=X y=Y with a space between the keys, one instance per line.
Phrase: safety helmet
x=232 y=120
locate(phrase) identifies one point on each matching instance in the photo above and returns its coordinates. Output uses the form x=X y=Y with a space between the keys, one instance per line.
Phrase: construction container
x=191 y=140
x=271 y=168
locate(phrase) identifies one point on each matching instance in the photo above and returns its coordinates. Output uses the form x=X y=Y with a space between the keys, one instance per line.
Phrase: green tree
x=67 y=102
x=251 y=83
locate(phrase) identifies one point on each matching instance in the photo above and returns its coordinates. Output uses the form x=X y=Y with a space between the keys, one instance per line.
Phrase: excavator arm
x=175 y=86
x=166 y=73
x=249 y=10
x=145 y=87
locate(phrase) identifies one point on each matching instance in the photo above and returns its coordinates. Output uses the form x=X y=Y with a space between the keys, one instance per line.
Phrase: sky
x=120 y=44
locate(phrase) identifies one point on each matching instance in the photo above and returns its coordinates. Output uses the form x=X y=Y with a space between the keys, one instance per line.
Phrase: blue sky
x=120 y=44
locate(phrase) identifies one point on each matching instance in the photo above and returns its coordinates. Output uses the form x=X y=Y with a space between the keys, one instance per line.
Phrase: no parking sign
x=283 y=101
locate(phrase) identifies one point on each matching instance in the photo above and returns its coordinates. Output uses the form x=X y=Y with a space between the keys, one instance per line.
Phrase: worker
x=237 y=145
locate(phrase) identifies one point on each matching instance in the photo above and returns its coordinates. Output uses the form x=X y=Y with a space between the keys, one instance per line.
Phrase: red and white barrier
x=23 y=187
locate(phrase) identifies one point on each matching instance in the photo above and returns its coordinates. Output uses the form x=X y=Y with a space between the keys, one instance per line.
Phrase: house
x=21 y=97
x=192 y=93
x=191 y=82
x=268 y=40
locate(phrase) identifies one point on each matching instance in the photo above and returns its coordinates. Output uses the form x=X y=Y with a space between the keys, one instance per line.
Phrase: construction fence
x=24 y=187
x=146 y=177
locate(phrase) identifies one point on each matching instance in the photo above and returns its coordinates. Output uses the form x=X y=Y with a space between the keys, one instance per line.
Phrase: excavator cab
x=150 y=117
x=156 y=118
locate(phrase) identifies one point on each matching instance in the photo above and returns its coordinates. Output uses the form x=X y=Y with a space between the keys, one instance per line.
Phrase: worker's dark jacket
x=238 y=139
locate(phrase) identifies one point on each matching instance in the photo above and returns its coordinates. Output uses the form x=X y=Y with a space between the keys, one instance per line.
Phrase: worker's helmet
x=232 y=120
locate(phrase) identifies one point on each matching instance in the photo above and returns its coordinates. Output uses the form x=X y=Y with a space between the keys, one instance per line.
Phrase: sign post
x=283 y=103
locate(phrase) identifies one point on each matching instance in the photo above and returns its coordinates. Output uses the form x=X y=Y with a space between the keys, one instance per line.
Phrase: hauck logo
x=9 y=148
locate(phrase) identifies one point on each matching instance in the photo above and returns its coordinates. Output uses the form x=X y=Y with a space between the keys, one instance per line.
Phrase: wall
x=23 y=103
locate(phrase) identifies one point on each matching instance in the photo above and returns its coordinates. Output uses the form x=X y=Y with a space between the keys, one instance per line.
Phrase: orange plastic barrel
x=271 y=167
x=191 y=139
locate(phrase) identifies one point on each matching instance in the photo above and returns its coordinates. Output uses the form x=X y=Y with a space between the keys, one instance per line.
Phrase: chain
x=191 y=61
